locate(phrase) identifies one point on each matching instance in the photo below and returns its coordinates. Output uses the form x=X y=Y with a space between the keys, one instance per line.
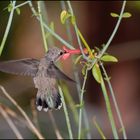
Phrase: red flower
x=69 y=52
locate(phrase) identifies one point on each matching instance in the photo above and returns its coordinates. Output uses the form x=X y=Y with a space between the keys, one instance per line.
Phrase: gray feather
x=27 y=67
x=55 y=72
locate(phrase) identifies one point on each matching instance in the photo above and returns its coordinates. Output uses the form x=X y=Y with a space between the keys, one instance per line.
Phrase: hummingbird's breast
x=42 y=80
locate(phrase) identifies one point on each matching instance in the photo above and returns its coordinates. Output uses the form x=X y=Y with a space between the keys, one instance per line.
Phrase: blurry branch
x=70 y=101
x=66 y=114
x=45 y=18
x=67 y=94
x=81 y=103
x=10 y=122
x=7 y=27
x=22 y=4
x=76 y=31
x=57 y=132
x=98 y=128
x=110 y=115
x=114 y=31
x=41 y=24
x=48 y=28
x=76 y=75
x=31 y=125
x=109 y=110
x=34 y=113
x=22 y=122
x=112 y=35
x=114 y=100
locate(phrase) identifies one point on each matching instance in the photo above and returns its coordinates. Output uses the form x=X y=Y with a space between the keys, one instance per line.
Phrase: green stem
x=78 y=85
x=114 y=31
x=71 y=102
x=81 y=102
x=115 y=102
x=85 y=43
x=112 y=35
x=22 y=4
x=66 y=114
x=99 y=128
x=41 y=24
x=49 y=29
x=76 y=31
x=7 y=28
x=109 y=111
x=45 y=17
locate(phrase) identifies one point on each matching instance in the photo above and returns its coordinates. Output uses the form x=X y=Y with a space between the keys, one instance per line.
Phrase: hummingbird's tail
x=45 y=101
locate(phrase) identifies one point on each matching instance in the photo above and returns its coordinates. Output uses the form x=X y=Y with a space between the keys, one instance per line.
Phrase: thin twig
x=7 y=27
x=98 y=128
x=41 y=24
x=81 y=102
x=22 y=4
x=66 y=114
x=57 y=132
x=114 y=100
x=34 y=113
x=109 y=110
x=112 y=35
x=76 y=75
x=49 y=29
x=10 y=123
x=76 y=31
x=33 y=128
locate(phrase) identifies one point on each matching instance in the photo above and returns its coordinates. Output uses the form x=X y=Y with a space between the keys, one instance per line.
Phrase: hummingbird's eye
x=61 y=53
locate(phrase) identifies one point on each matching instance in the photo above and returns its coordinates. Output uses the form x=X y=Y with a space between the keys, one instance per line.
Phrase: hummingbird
x=45 y=75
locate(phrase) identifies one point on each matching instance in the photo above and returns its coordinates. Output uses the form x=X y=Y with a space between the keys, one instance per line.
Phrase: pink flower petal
x=65 y=56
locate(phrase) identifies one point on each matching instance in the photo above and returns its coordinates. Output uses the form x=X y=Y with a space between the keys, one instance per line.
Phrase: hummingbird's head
x=54 y=54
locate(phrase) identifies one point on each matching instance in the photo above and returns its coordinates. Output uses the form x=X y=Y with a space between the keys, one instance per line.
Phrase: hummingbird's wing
x=27 y=66
x=54 y=71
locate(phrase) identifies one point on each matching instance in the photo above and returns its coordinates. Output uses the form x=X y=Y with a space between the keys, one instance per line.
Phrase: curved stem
x=114 y=31
x=31 y=125
x=66 y=114
x=112 y=35
x=50 y=30
x=10 y=123
x=81 y=101
x=41 y=24
x=7 y=28
x=78 y=85
x=115 y=102
x=22 y=4
x=76 y=31
x=109 y=110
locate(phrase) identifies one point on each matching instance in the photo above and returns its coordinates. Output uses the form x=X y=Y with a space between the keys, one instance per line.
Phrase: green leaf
x=18 y=11
x=109 y=58
x=73 y=20
x=64 y=16
x=10 y=7
x=97 y=73
x=114 y=14
x=77 y=59
x=126 y=15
